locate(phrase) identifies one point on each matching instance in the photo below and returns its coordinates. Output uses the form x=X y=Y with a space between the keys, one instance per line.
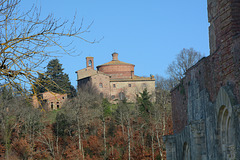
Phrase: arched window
x=121 y=96
x=90 y=63
x=100 y=85
x=52 y=105
x=186 y=152
x=225 y=130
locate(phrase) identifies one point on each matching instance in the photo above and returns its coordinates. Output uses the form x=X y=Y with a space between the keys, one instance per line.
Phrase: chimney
x=115 y=56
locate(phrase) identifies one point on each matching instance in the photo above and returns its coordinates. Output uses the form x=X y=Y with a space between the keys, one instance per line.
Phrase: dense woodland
x=86 y=127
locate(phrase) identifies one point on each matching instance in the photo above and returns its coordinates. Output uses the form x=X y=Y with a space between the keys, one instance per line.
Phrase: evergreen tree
x=144 y=103
x=40 y=84
x=55 y=80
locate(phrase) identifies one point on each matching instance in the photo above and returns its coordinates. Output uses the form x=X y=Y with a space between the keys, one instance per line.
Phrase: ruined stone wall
x=50 y=100
x=222 y=67
x=205 y=104
x=224 y=35
x=179 y=109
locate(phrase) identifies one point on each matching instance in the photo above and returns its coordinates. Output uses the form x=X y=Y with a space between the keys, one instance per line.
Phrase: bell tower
x=89 y=62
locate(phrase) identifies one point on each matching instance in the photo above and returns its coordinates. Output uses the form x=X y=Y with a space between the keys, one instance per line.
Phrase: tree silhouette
x=184 y=60
x=55 y=80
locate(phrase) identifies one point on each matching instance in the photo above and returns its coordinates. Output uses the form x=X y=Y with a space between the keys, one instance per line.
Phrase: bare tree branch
x=27 y=40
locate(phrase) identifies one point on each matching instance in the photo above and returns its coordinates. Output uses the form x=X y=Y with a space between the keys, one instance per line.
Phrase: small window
x=51 y=105
x=129 y=85
x=57 y=106
x=112 y=96
x=62 y=97
x=114 y=85
x=100 y=85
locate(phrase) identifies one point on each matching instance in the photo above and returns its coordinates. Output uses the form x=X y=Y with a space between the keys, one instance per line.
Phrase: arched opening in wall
x=57 y=105
x=121 y=96
x=225 y=134
x=90 y=63
x=52 y=105
x=186 y=152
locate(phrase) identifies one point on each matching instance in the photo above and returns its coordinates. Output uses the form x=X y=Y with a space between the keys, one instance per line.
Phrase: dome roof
x=114 y=61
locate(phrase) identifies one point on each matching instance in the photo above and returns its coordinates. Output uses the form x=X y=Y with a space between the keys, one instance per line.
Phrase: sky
x=146 y=33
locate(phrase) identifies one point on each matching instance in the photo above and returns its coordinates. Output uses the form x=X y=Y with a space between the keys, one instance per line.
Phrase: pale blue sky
x=148 y=34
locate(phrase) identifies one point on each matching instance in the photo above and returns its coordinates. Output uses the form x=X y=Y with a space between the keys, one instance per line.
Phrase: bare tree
x=27 y=40
x=82 y=110
x=162 y=110
x=17 y=116
x=124 y=115
x=184 y=60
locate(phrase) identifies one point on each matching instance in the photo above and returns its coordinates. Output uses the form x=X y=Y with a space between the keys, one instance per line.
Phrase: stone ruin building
x=49 y=100
x=115 y=79
x=206 y=103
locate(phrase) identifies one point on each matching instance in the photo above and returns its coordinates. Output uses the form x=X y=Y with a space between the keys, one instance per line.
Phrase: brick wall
x=219 y=69
x=118 y=71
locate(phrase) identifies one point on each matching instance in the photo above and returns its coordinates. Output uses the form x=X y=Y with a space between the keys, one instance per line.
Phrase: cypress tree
x=55 y=80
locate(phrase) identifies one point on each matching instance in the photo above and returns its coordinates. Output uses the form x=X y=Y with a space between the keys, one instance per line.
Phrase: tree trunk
x=129 y=141
x=159 y=145
x=142 y=136
x=7 y=139
x=152 y=144
x=122 y=125
x=7 y=148
x=80 y=147
x=104 y=139
x=57 y=140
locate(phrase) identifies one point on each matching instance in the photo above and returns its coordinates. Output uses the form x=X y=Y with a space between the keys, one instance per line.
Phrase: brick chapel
x=115 y=79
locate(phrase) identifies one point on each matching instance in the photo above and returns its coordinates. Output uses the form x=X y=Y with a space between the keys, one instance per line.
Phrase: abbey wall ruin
x=206 y=103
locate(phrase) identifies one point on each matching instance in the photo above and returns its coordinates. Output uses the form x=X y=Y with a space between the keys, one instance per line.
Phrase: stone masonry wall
x=53 y=100
x=101 y=82
x=131 y=88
